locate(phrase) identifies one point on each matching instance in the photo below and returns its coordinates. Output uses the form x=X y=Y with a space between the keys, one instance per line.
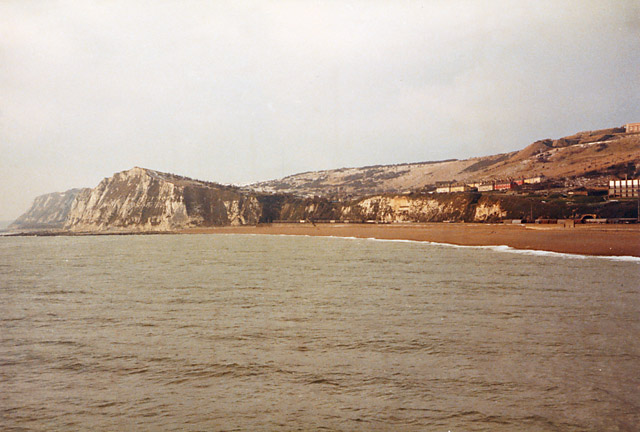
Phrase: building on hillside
x=504 y=185
x=443 y=187
x=453 y=186
x=581 y=191
x=486 y=187
x=461 y=187
x=534 y=180
x=632 y=127
x=624 y=188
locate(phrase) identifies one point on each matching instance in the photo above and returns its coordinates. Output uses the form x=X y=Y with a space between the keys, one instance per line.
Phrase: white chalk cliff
x=148 y=200
x=47 y=211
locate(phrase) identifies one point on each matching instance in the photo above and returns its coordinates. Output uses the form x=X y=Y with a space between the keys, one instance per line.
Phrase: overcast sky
x=241 y=91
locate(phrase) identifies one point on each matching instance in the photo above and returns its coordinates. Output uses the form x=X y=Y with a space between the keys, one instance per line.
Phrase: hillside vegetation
x=586 y=158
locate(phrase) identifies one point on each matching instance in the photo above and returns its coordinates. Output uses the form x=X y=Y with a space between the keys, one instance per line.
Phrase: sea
x=291 y=333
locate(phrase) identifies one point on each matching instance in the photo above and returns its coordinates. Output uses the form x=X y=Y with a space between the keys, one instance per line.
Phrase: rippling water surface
x=239 y=332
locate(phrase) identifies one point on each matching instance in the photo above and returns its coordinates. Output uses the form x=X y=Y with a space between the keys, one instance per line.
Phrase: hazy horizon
x=239 y=92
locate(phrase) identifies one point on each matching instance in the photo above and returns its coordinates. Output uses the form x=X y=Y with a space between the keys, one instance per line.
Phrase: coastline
x=600 y=240
x=588 y=239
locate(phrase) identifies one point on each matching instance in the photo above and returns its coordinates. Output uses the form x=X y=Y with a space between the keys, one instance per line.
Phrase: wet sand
x=616 y=240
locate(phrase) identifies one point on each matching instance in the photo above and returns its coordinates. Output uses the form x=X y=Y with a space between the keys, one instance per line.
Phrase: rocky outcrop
x=399 y=209
x=48 y=211
x=424 y=208
x=485 y=212
x=469 y=207
x=147 y=200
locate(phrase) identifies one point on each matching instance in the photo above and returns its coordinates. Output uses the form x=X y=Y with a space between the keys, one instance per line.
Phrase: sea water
x=240 y=332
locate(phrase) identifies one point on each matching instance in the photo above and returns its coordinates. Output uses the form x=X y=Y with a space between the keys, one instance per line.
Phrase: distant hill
x=47 y=211
x=591 y=156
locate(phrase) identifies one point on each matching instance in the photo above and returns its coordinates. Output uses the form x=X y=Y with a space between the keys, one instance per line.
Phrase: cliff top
x=176 y=179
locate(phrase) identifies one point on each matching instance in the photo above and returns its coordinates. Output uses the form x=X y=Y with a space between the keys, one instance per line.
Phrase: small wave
x=136 y=370
x=59 y=342
x=57 y=292
x=495 y=248
x=509 y=249
x=105 y=404
x=323 y=381
x=13 y=319
x=398 y=240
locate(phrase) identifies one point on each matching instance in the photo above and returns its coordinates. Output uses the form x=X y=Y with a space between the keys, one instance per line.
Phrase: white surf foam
x=496 y=248
x=509 y=249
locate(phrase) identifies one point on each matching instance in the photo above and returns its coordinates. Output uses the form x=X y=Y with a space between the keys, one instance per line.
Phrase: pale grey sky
x=241 y=91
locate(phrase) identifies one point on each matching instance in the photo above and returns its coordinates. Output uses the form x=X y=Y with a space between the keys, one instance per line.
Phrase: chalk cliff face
x=147 y=200
x=48 y=211
x=470 y=207
x=433 y=208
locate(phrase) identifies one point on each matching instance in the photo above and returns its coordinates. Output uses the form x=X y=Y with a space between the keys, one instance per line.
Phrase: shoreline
x=595 y=240
x=599 y=240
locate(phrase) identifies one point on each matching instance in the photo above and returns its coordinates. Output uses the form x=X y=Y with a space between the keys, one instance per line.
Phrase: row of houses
x=500 y=185
x=628 y=188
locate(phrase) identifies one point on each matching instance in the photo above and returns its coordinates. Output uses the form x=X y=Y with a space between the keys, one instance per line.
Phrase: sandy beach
x=615 y=240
